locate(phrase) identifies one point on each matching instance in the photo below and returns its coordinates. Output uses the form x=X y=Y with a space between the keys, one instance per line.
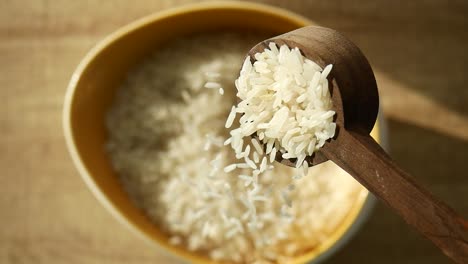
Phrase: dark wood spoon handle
x=367 y=162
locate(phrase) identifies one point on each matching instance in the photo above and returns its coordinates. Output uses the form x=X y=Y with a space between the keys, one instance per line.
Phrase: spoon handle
x=367 y=162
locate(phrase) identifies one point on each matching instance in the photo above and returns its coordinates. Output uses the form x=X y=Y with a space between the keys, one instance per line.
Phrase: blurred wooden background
x=419 y=50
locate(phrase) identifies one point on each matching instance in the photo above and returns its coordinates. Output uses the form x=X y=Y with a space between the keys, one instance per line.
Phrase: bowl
x=93 y=85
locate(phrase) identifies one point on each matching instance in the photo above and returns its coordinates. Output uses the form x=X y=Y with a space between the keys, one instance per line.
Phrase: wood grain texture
x=49 y=216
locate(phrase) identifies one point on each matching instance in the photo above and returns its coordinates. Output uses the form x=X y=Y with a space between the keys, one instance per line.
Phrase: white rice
x=272 y=155
x=208 y=201
x=230 y=168
x=296 y=104
x=212 y=85
x=231 y=117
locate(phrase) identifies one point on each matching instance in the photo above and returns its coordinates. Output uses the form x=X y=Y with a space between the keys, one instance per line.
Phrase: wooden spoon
x=355 y=99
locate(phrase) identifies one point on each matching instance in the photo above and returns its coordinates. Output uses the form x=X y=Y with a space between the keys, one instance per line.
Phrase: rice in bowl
x=167 y=143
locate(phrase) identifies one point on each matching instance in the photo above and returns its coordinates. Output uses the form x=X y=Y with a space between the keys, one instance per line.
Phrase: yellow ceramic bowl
x=93 y=85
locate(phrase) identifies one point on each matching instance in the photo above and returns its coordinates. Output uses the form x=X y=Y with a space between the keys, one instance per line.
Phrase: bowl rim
x=340 y=238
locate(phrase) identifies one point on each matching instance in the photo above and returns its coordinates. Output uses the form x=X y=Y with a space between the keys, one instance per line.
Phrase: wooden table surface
x=419 y=50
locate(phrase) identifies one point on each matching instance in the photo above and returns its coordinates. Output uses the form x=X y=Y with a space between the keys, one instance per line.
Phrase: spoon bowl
x=356 y=106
